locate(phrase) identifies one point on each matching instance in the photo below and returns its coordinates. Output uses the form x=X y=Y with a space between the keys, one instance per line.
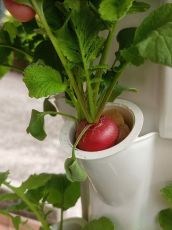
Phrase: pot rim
x=85 y=155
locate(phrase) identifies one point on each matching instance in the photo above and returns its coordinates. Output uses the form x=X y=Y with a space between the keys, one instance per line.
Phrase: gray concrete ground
x=19 y=152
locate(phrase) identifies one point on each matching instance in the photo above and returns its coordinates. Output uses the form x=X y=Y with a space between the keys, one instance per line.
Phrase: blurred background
x=20 y=153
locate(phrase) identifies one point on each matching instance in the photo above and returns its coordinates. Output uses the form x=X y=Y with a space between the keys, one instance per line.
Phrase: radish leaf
x=74 y=171
x=3 y=176
x=43 y=81
x=167 y=193
x=155 y=29
x=113 y=10
x=48 y=106
x=62 y=193
x=35 y=181
x=165 y=219
x=87 y=27
x=68 y=44
x=100 y=224
x=36 y=125
x=139 y=7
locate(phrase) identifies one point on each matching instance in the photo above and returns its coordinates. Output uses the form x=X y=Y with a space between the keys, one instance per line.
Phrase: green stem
x=115 y=61
x=90 y=92
x=104 y=57
x=106 y=97
x=56 y=45
x=76 y=105
x=16 y=49
x=89 y=88
x=62 y=114
x=12 y=67
x=61 y=219
x=30 y=205
x=78 y=140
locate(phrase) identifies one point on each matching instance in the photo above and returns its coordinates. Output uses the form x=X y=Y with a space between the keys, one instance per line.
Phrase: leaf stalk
x=106 y=97
x=104 y=57
x=56 y=45
x=16 y=49
x=29 y=204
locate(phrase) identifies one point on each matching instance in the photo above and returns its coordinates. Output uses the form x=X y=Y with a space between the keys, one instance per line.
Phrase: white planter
x=120 y=175
x=116 y=174
x=71 y=224
x=143 y=214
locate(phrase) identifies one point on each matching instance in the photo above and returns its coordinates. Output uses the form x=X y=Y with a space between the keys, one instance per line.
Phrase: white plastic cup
x=117 y=173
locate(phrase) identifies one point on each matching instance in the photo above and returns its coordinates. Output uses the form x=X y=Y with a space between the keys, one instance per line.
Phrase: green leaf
x=139 y=7
x=71 y=195
x=61 y=192
x=3 y=70
x=35 y=195
x=100 y=224
x=17 y=221
x=153 y=37
x=68 y=44
x=165 y=219
x=113 y=10
x=52 y=14
x=4 y=37
x=46 y=52
x=167 y=193
x=87 y=27
x=36 y=125
x=157 y=19
x=49 y=107
x=11 y=29
x=29 y=27
x=73 y=5
x=158 y=46
x=118 y=90
x=8 y=197
x=4 y=40
x=95 y=2
x=43 y=81
x=125 y=37
x=74 y=171
x=35 y=181
x=3 y=177
x=132 y=55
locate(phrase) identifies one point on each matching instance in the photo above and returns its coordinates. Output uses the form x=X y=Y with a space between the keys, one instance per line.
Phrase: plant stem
x=90 y=92
x=89 y=88
x=30 y=205
x=104 y=57
x=16 y=49
x=12 y=67
x=115 y=61
x=106 y=97
x=62 y=114
x=78 y=140
x=56 y=45
x=76 y=105
x=61 y=219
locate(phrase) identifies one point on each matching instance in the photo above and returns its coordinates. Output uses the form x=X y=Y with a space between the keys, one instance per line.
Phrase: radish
x=21 y=12
x=99 y=136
